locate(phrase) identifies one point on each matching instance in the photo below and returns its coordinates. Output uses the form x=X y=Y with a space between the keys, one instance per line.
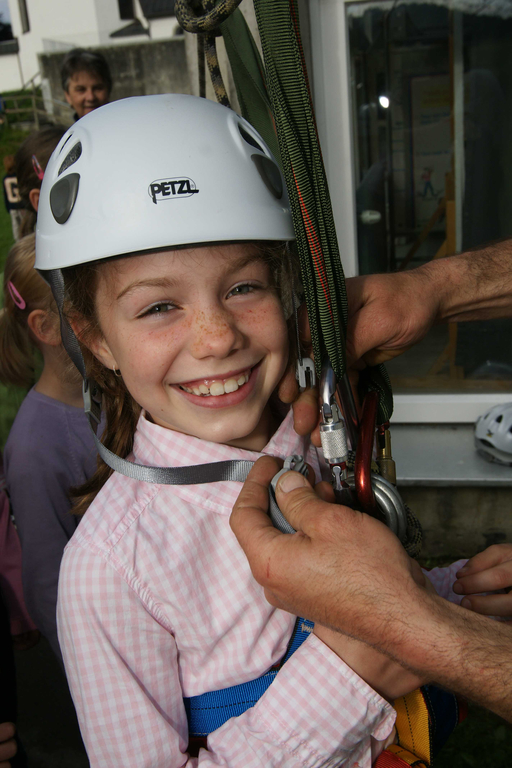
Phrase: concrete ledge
x=443 y=455
x=464 y=503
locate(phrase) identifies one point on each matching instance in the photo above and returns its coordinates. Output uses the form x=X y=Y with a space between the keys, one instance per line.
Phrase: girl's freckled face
x=178 y=323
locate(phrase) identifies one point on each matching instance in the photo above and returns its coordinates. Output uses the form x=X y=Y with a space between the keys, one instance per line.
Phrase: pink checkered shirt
x=157 y=602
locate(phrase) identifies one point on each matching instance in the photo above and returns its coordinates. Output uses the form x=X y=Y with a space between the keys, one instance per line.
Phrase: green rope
x=301 y=159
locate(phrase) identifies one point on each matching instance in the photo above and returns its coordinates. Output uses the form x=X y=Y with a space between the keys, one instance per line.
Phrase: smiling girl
x=180 y=296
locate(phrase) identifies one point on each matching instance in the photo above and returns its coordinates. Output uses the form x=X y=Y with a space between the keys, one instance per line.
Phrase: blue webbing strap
x=209 y=711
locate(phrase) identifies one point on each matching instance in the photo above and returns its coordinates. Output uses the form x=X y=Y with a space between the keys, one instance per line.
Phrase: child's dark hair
x=80 y=60
x=121 y=410
x=9 y=163
x=41 y=144
x=23 y=291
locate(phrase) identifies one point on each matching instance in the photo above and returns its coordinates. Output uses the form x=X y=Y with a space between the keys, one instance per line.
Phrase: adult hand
x=347 y=571
x=342 y=568
x=305 y=404
x=489 y=571
x=387 y=314
x=8 y=747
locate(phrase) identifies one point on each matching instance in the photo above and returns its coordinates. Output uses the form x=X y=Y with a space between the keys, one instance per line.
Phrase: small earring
x=117 y=372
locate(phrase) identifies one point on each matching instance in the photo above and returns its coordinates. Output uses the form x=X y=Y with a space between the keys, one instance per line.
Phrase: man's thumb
x=295 y=498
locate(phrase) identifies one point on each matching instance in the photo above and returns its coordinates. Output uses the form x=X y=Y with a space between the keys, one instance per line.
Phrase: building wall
x=160 y=29
x=58 y=25
x=10 y=78
x=460 y=521
x=107 y=19
x=137 y=70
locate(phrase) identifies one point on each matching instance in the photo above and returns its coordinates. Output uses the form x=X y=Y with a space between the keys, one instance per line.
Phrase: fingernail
x=290 y=481
x=457 y=588
x=465 y=603
x=462 y=570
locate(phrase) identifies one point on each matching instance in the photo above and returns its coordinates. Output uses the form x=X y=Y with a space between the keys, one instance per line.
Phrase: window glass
x=432 y=120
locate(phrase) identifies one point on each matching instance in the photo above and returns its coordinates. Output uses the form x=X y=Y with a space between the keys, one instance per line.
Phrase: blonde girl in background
x=165 y=221
x=49 y=448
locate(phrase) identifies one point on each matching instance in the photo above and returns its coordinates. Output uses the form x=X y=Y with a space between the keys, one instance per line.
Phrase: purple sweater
x=49 y=450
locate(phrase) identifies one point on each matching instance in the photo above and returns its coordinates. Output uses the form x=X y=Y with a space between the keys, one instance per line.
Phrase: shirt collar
x=156 y=446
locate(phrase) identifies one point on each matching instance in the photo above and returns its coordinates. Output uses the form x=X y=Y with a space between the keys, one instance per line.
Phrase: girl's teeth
x=219 y=388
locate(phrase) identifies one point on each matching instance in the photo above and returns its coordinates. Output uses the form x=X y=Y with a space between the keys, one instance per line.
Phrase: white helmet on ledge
x=153 y=172
x=493 y=434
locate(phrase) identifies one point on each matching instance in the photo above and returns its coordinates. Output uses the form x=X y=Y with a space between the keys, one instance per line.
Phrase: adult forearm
x=462 y=651
x=476 y=285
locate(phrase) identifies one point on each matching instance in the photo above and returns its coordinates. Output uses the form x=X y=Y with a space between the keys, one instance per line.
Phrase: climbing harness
x=208 y=711
x=424 y=721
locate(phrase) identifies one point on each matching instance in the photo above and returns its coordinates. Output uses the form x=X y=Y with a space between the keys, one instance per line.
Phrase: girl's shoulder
x=114 y=514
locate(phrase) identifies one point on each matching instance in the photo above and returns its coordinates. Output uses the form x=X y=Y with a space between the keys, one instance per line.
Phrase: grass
x=10 y=397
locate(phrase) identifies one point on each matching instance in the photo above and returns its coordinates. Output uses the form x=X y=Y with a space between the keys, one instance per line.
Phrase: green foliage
x=23 y=101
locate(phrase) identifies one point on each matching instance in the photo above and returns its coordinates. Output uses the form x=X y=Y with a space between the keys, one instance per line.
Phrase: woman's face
x=200 y=338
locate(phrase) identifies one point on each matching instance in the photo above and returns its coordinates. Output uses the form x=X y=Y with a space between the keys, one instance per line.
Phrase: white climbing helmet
x=152 y=172
x=493 y=434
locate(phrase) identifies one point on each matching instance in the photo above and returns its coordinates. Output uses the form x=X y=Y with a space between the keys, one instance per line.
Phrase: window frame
x=330 y=58
x=24 y=18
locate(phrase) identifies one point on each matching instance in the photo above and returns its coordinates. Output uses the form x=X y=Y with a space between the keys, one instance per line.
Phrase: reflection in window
x=432 y=121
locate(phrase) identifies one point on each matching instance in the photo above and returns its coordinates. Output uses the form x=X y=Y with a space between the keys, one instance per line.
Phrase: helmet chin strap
x=236 y=469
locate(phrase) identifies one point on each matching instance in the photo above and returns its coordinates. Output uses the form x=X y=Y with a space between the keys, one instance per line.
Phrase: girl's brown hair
x=41 y=144
x=16 y=343
x=121 y=410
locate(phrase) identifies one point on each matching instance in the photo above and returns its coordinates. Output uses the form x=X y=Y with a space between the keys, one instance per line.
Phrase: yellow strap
x=407 y=757
x=413 y=727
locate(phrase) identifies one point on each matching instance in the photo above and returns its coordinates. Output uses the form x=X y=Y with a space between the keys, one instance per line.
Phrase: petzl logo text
x=167 y=189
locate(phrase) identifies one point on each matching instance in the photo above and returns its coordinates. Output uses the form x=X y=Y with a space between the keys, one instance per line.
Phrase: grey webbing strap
x=236 y=469
x=193 y=475
x=55 y=279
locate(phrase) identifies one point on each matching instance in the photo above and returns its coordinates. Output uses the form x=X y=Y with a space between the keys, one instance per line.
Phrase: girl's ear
x=33 y=196
x=45 y=327
x=96 y=344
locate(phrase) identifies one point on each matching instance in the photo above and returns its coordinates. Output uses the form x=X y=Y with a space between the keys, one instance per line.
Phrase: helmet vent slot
x=270 y=174
x=71 y=157
x=63 y=196
x=68 y=138
x=487 y=443
x=246 y=136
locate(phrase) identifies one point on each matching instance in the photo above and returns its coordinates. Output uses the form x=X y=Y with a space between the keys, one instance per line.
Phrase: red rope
x=315 y=247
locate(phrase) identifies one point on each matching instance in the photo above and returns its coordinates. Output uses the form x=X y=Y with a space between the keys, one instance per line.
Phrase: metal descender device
x=354 y=484
x=359 y=487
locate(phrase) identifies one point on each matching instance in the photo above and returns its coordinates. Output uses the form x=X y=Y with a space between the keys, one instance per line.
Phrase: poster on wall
x=431 y=143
